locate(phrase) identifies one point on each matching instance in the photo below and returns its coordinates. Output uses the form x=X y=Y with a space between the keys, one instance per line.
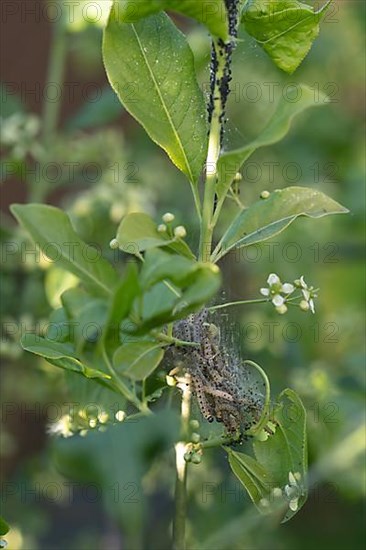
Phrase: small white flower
x=180 y=232
x=277 y=292
x=162 y=228
x=293 y=491
x=168 y=217
x=307 y=292
x=62 y=427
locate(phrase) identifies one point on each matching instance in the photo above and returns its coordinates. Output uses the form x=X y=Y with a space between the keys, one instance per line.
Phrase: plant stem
x=55 y=76
x=240 y=302
x=179 y=524
x=171 y=340
x=213 y=154
x=125 y=391
x=216 y=442
x=51 y=109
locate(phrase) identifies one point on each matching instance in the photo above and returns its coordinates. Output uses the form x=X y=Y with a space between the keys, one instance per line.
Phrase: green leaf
x=269 y=217
x=57 y=281
x=285 y=29
x=87 y=316
x=194 y=282
x=269 y=475
x=75 y=300
x=138 y=360
x=51 y=230
x=212 y=14
x=286 y=450
x=159 y=302
x=60 y=355
x=119 y=308
x=138 y=232
x=151 y=68
x=4 y=527
x=297 y=100
x=253 y=476
x=160 y=265
x=58 y=328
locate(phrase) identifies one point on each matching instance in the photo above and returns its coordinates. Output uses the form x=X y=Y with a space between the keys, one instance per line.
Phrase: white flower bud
x=103 y=417
x=162 y=228
x=265 y=194
x=281 y=309
x=168 y=217
x=120 y=416
x=114 y=244
x=238 y=177
x=180 y=232
x=304 y=305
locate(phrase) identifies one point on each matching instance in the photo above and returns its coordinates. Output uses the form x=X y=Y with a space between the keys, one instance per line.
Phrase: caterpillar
x=218 y=380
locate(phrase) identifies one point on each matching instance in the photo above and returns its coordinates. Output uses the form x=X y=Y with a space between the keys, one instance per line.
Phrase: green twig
x=213 y=154
x=216 y=442
x=51 y=109
x=238 y=303
x=179 y=524
x=125 y=391
x=55 y=77
x=174 y=341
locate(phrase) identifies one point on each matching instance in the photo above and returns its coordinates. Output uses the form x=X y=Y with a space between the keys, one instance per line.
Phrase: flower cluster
x=179 y=232
x=290 y=494
x=293 y=490
x=19 y=134
x=281 y=294
x=309 y=293
x=82 y=421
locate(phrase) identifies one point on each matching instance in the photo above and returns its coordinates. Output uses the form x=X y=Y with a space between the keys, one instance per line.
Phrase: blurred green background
x=113 y=488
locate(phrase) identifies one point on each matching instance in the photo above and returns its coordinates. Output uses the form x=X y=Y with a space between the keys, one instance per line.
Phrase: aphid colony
x=218 y=379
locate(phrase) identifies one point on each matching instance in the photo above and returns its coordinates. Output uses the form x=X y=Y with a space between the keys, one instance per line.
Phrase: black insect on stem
x=225 y=50
x=221 y=54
